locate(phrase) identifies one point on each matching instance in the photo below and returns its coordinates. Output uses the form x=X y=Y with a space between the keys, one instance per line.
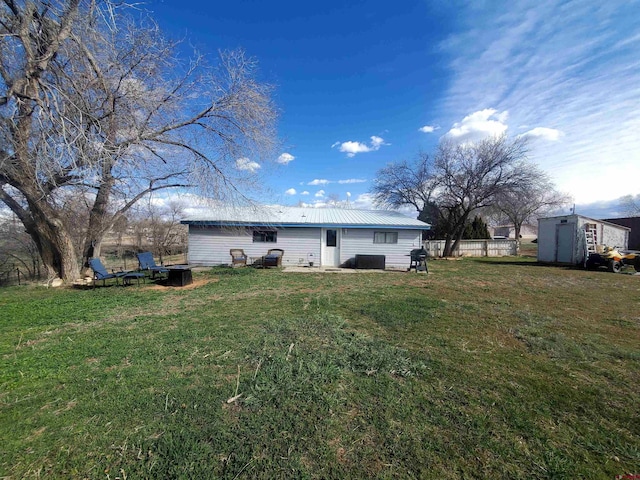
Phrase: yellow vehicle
x=613 y=259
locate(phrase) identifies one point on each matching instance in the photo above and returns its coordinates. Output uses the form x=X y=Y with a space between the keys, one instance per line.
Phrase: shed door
x=565 y=238
x=330 y=247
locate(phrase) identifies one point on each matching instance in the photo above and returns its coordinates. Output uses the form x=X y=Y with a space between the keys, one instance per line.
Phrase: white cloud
x=285 y=158
x=314 y=204
x=352 y=180
x=320 y=194
x=376 y=142
x=428 y=128
x=324 y=181
x=478 y=125
x=304 y=193
x=319 y=181
x=550 y=63
x=352 y=148
x=291 y=191
x=364 y=202
x=245 y=164
x=550 y=134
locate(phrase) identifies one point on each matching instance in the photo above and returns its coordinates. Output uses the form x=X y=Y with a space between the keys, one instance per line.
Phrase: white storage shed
x=562 y=239
x=328 y=237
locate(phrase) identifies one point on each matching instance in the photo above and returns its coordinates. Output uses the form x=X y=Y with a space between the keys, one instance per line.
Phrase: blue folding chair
x=147 y=263
x=101 y=273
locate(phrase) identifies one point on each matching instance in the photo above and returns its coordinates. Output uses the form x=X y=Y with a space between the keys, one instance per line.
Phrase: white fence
x=474 y=248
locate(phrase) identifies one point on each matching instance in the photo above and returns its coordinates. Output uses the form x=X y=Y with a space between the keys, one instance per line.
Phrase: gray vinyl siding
x=297 y=244
x=210 y=245
x=356 y=241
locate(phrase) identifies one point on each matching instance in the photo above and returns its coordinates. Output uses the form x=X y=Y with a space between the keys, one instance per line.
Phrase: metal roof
x=576 y=215
x=305 y=217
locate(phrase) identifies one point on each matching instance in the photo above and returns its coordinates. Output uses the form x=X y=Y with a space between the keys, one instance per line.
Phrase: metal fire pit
x=179 y=275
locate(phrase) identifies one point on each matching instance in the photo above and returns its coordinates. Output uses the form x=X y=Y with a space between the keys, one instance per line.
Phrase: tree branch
x=22 y=213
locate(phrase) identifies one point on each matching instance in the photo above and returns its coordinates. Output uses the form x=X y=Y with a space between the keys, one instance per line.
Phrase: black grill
x=418 y=260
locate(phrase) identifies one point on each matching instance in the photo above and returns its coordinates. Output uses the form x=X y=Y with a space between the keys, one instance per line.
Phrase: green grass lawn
x=487 y=368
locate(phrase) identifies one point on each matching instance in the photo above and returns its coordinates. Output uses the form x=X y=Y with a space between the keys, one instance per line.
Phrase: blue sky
x=362 y=84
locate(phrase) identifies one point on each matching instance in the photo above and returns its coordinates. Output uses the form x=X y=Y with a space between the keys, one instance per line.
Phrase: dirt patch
x=196 y=283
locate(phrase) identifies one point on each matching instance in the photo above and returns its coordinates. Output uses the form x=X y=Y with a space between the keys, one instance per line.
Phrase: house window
x=265 y=236
x=385 y=237
x=332 y=238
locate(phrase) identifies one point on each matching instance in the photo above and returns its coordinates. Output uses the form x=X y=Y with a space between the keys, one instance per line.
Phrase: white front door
x=330 y=247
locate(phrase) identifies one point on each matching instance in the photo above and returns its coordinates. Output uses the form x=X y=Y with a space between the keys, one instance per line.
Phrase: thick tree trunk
x=456 y=235
x=55 y=247
x=517 y=228
x=100 y=221
x=47 y=230
x=446 y=251
x=92 y=246
x=455 y=244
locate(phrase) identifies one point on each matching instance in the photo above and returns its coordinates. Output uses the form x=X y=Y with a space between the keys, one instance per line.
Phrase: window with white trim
x=385 y=237
x=265 y=236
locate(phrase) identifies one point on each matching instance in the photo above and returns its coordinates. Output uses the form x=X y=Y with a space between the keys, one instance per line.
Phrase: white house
x=321 y=236
x=563 y=239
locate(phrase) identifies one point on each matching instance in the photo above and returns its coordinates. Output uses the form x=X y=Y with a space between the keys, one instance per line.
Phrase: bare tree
x=525 y=201
x=333 y=200
x=162 y=229
x=631 y=205
x=95 y=104
x=406 y=183
x=32 y=38
x=460 y=180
